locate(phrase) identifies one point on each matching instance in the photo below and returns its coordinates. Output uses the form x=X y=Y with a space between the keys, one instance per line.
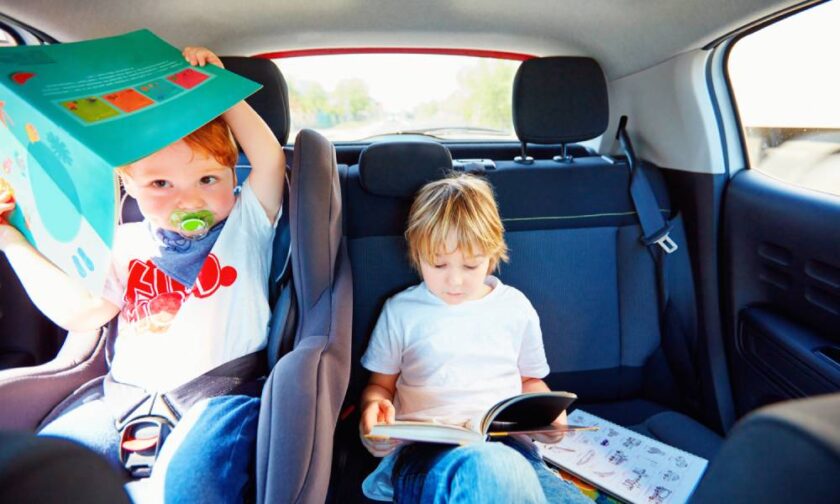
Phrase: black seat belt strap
x=656 y=235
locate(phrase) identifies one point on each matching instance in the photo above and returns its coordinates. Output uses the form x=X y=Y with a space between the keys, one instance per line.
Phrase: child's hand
x=374 y=412
x=8 y=234
x=552 y=437
x=200 y=56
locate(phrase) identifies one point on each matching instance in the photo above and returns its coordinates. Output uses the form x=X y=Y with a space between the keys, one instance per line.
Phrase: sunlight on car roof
x=356 y=97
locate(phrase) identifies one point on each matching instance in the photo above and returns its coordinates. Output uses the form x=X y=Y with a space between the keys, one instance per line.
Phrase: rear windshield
x=358 y=97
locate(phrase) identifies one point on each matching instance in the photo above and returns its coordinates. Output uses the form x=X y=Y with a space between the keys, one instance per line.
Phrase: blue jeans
x=494 y=472
x=206 y=458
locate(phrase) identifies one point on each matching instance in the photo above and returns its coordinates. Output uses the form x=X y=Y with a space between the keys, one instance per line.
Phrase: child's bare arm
x=378 y=407
x=61 y=298
x=537 y=385
x=268 y=162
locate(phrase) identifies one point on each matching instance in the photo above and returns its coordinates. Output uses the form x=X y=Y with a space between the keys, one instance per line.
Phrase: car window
x=356 y=97
x=6 y=40
x=787 y=92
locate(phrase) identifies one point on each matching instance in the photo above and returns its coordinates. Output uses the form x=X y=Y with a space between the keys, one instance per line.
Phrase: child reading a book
x=449 y=348
x=189 y=284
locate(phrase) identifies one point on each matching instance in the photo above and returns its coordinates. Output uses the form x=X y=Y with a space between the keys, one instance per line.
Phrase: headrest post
x=524 y=158
x=564 y=157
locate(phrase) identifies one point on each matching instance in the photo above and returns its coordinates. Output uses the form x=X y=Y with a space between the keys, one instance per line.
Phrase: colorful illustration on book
x=188 y=78
x=21 y=77
x=597 y=496
x=116 y=103
x=159 y=90
x=90 y=109
x=128 y=100
x=71 y=113
x=624 y=463
x=37 y=161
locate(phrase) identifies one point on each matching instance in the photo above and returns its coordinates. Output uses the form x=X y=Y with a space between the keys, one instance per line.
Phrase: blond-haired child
x=449 y=348
x=189 y=284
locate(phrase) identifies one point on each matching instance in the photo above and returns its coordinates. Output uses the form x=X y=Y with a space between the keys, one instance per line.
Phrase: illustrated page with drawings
x=625 y=463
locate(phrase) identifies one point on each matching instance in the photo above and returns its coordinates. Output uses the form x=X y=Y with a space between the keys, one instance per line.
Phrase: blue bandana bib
x=182 y=258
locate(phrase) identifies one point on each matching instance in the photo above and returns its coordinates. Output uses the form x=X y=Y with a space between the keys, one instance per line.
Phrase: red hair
x=215 y=140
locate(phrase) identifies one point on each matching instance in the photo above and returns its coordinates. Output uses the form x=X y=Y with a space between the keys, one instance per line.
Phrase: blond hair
x=460 y=204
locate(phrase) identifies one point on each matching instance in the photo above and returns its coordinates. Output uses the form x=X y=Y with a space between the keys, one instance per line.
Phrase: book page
x=626 y=464
x=71 y=113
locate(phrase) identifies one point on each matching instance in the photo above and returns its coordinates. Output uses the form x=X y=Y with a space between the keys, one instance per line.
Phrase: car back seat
x=575 y=252
x=585 y=268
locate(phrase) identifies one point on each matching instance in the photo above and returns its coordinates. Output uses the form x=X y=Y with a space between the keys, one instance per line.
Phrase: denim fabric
x=89 y=423
x=208 y=457
x=495 y=472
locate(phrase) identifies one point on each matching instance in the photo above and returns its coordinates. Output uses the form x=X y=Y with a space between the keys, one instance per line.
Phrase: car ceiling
x=626 y=36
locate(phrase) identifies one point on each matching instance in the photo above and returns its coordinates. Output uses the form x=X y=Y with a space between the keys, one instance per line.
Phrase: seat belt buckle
x=663 y=239
x=140 y=443
x=667 y=244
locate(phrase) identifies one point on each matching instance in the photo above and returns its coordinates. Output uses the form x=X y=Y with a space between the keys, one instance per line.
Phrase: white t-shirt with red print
x=170 y=333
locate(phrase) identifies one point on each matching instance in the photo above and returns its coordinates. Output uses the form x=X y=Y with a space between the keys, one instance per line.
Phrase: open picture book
x=626 y=465
x=521 y=414
x=71 y=113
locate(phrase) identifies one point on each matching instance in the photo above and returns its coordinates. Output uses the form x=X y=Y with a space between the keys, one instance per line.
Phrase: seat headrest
x=399 y=169
x=559 y=99
x=272 y=101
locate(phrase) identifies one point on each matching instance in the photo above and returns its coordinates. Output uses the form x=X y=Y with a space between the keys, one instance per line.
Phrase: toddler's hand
x=8 y=234
x=374 y=412
x=200 y=56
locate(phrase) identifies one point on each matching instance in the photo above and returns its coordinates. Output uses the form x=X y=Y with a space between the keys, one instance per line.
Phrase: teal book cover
x=71 y=113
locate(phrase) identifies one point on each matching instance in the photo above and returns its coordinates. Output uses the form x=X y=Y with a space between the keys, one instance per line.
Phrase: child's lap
x=486 y=472
x=207 y=456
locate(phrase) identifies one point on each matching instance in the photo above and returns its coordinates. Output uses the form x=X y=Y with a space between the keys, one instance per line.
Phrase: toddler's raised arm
x=268 y=162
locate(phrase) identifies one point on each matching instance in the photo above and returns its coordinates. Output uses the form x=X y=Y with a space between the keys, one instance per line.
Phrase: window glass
x=6 y=40
x=353 y=97
x=787 y=91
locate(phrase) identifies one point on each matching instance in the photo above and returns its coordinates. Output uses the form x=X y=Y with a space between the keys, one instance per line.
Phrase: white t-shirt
x=170 y=334
x=456 y=361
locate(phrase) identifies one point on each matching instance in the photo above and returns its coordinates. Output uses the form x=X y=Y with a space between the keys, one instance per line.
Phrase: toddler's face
x=454 y=277
x=178 y=179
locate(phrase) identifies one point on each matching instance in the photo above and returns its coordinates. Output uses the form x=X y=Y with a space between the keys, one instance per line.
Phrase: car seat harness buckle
x=140 y=442
x=144 y=419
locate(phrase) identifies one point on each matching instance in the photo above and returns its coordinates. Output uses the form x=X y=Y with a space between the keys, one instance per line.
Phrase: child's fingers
x=390 y=412
x=6 y=207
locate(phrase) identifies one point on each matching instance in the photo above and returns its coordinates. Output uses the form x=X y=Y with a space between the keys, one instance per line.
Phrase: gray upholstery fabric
x=400 y=169
x=788 y=452
x=303 y=395
x=28 y=394
x=657 y=422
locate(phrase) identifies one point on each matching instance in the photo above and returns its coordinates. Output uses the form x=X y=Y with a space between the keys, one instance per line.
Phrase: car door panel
x=782 y=280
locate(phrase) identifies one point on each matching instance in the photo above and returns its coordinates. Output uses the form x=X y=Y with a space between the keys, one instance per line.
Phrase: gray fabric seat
x=787 y=452
x=302 y=396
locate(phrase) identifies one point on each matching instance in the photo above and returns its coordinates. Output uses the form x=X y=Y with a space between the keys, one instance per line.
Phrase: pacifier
x=192 y=224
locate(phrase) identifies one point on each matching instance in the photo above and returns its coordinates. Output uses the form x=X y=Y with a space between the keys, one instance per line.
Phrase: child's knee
x=498 y=471
x=210 y=451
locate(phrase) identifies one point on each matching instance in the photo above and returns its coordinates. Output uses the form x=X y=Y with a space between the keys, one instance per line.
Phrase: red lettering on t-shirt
x=152 y=297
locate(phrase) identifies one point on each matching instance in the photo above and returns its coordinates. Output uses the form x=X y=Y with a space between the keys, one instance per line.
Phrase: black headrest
x=272 y=101
x=560 y=99
x=400 y=169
